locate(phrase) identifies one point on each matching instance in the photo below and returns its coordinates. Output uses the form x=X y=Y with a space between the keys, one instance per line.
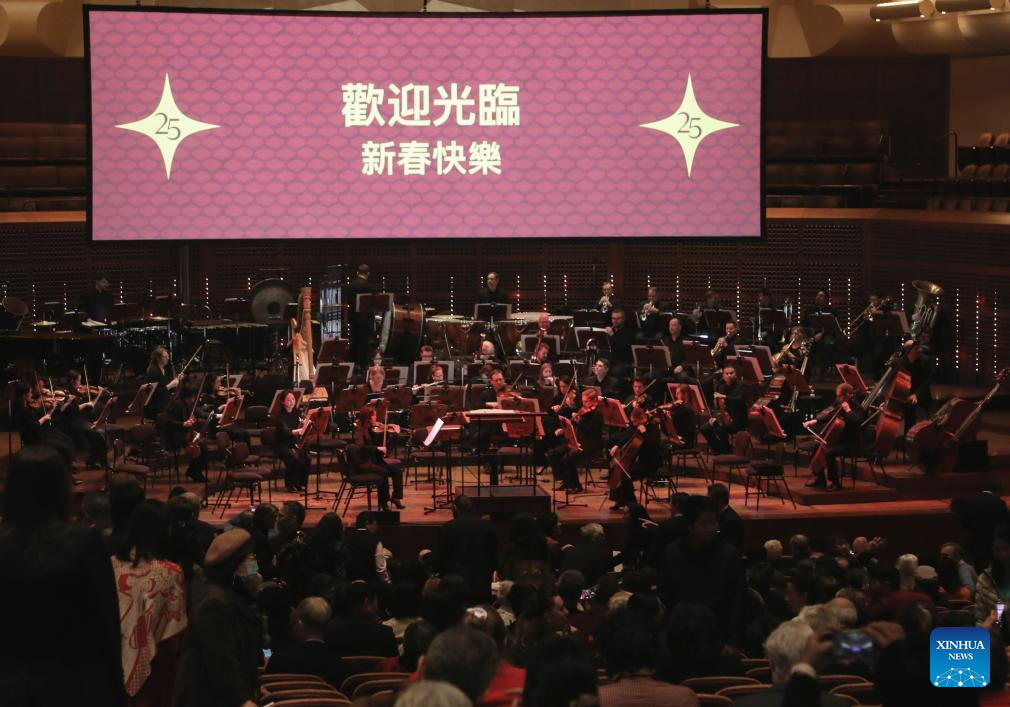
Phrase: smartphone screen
x=1000 y=606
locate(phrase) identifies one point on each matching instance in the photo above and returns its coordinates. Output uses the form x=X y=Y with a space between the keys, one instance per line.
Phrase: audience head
x=818 y=616
x=462 y=505
x=784 y=648
x=571 y=584
x=147 y=533
x=559 y=673
x=702 y=518
x=416 y=639
x=486 y=619
x=265 y=518
x=125 y=493
x=773 y=550
x=800 y=591
x=366 y=520
x=549 y=524
x=463 y=657
x=845 y=611
x=310 y=617
x=627 y=641
x=291 y=518
x=720 y=494
x=361 y=598
x=432 y=693
x=230 y=555
x=799 y=547
x=442 y=606
x=907 y=566
x=947 y=574
x=37 y=492
x=95 y=511
x=592 y=533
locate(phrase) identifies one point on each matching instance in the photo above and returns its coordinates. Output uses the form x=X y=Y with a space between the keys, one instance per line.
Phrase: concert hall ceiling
x=797 y=28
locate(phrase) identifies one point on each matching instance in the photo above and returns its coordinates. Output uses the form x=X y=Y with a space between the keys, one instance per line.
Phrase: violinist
x=641 y=464
x=730 y=399
x=177 y=425
x=563 y=405
x=78 y=414
x=684 y=418
x=639 y=396
x=160 y=371
x=849 y=442
x=289 y=429
x=32 y=416
x=368 y=456
x=564 y=460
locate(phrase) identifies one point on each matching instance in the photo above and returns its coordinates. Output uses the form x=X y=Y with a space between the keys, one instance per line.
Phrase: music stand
x=698 y=356
x=564 y=369
x=332 y=351
x=613 y=413
x=278 y=402
x=694 y=396
x=472 y=370
x=766 y=422
x=893 y=323
x=553 y=342
x=583 y=335
x=317 y=420
x=444 y=434
x=773 y=319
x=103 y=416
x=653 y=357
x=716 y=319
x=492 y=312
x=747 y=368
x=453 y=396
x=399 y=397
x=825 y=324
x=797 y=381
x=524 y=426
x=422 y=370
x=141 y=399
x=850 y=375
x=764 y=356
x=232 y=407
x=333 y=376
x=351 y=399
x=688 y=326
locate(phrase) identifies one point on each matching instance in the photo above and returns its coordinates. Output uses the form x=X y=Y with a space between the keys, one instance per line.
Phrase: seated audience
x=310 y=653
x=360 y=632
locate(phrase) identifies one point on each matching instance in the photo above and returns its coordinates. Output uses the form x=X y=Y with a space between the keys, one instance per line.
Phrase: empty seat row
x=962 y=203
x=848 y=174
x=807 y=201
x=847 y=148
x=41 y=148
x=43 y=203
x=40 y=129
x=34 y=178
x=979 y=180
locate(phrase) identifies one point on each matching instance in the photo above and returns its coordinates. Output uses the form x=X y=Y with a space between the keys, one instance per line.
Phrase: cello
x=934 y=443
x=829 y=436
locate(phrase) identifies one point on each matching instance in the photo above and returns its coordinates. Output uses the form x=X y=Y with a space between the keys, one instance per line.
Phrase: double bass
x=934 y=443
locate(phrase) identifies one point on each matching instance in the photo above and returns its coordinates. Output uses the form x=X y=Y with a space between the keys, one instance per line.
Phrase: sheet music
x=434 y=432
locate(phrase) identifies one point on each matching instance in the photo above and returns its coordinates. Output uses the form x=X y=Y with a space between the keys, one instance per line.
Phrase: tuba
x=927 y=304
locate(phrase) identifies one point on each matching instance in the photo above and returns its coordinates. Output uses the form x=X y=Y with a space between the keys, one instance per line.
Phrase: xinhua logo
x=959 y=657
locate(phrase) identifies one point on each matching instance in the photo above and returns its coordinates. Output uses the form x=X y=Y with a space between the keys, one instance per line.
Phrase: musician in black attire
x=711 y=302
x=921 y=366
x=565 y=461
x=648 y=459
x=33 y=419
x=289 y=430
x=563 y=405
x=76 y=418
x=640 y=396
x=825 y=346
x=488 y=435
x=684 y=418
x=725 y=344
x=622 y=337
x=674 y=343
x=718 y=433
x=97 y=300
x=866 y=340
x=175 y=423
x=367 y=456
x=492 y=294
x=649 y=324
x=159 y=371
x=607 y=302
x=362 y=323
x=771 y=338
x=851 y=441
x=602 y=378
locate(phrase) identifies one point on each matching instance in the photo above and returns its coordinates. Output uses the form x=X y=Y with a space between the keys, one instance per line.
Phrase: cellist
x=845 y=443
x=176 y=423
x=629 y=464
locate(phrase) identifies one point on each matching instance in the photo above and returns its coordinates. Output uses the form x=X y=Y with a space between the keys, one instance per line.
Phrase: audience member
x=730 y=524
x=360 y=632
x=58 y=609
x=561 y=673
x=590 y=556
x=432 y=693
x=508 y=679
x=467 y=546
x=463 y=657
x=967 y=573
x=367 y=557
x=525 y=559
x=310 y=654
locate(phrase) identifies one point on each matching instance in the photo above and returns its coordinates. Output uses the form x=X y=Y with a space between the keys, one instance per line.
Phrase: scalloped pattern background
x=282 y=164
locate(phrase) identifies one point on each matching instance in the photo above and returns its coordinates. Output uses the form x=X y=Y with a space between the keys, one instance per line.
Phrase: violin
x=584 y=410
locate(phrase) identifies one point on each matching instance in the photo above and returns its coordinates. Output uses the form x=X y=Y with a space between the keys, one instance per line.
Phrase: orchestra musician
x=724 y=345
x=78 y=414
x=546 y=379
x=602 y=378
x=674 y=343
x=96 y=301
x=176 y=423
x=376 y=382
x=368 y=456
x=685 y=419
x=852 y=438
x=649 y=326
x=362 y=323
x=32 y=416
x=563 y=405
x=639 y=397
x=487 y=352
x=492 y=435
x=866 y=340
x=492 y=293
x=733 y=396
x=289 y=429
x=825 y=345
x=649 y=458
x=564 y=460
x=607 y=301
x=622 y=337
x=921 y=367
x=711 y=302
x=160 y=371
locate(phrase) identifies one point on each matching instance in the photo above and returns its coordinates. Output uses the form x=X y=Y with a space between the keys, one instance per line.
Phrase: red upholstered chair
x=713 y=684
x=713 y=700
x=352 y=682
x=739 y=691
x=864 y=693
x=374 y=687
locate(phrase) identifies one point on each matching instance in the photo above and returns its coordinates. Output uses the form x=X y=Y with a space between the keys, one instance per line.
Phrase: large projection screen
x=247 y=125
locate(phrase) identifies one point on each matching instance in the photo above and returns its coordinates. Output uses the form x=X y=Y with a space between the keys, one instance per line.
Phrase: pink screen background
x=282 y=164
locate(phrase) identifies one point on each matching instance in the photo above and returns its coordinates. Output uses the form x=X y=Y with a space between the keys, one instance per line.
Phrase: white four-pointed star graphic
x=689 y=125
x=167 y=126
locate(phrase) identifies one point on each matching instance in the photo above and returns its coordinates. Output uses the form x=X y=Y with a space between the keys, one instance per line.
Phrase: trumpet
x=867 y=314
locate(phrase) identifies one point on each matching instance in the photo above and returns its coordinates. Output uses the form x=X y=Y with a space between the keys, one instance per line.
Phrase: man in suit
x=622 y=337
x=602 y=378
x=590 y=556
x=97 y=301
x=730 y=524
x=310 y=655
x=362 y=323
x=467 y=546
x=360 y=632
x=979 y=517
